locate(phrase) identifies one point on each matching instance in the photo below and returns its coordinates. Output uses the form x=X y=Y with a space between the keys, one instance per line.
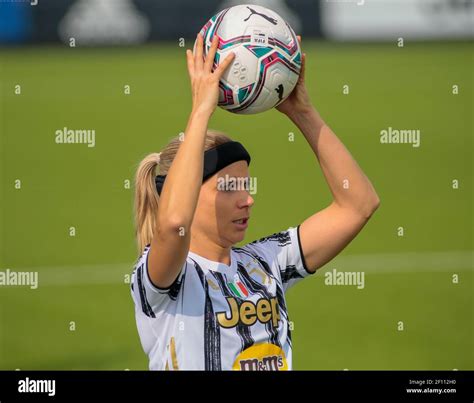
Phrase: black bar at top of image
x=294 y=385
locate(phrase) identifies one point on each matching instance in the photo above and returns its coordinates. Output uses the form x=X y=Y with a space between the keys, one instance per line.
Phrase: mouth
x=242 y=223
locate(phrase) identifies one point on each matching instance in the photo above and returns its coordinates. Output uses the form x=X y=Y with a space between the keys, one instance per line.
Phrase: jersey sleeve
x=283 y=254
x=148 y=297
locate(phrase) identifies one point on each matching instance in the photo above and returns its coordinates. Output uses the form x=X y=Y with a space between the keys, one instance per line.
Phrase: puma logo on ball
x=270 y=19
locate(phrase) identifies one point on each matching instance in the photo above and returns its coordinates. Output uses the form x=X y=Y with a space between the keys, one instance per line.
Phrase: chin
x=239 y=237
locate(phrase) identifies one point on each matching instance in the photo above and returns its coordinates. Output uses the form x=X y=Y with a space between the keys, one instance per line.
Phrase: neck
x=204 y=247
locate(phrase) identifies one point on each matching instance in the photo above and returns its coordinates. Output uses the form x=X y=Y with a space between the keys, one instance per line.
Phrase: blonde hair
x=146 y=195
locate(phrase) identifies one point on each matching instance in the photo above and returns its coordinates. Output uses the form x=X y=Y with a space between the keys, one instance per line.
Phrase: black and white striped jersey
x=220 y=317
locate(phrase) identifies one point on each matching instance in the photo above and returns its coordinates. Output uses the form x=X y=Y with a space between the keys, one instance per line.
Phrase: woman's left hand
x=298 y=101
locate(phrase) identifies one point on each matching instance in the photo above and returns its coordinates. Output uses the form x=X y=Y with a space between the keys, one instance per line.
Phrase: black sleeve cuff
x=301 y=252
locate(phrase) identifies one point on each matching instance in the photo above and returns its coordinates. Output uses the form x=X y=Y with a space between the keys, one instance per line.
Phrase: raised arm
x=180 y=193
x=327 y=232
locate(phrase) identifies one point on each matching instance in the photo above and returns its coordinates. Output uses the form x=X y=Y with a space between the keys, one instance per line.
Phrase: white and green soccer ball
x=267 y=60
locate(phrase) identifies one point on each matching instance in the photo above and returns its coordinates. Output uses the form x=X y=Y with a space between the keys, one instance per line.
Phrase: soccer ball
x=267 y=61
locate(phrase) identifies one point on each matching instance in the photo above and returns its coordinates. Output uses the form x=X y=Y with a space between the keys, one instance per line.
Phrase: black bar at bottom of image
x=157 y=385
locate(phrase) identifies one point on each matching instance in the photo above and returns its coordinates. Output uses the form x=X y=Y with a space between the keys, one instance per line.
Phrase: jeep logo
x=248 y=313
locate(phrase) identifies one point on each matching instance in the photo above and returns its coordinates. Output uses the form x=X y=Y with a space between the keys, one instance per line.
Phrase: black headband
x=215 y=159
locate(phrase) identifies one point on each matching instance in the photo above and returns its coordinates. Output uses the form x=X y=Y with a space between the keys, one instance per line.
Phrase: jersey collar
x=216 y=266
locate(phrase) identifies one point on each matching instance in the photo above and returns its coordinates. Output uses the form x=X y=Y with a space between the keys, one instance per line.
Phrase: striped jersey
x=222 y=317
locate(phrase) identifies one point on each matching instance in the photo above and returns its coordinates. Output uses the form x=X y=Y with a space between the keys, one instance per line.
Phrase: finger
x=299 y=38
x=212 y=53
x=224 y=64
x=190 y=62
x=198 y=57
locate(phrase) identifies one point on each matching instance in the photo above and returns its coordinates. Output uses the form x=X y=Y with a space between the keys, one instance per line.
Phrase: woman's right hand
x=205 y=82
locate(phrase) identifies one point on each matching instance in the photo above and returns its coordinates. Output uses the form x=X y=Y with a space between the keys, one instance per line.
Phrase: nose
x=246 y=201
x=250 y=200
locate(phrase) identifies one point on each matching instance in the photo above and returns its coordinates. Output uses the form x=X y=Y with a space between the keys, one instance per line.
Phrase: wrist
x=306 y=118
x=200 y=112
x=304 y=115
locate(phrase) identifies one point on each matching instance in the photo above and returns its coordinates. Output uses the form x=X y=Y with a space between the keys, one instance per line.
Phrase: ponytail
x=146 y=195
x=146 y=200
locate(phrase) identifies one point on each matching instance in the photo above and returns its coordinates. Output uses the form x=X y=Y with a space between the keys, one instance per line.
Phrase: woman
x=200 y=302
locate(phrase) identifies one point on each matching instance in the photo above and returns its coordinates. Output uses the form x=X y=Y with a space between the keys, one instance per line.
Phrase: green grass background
x=334 y=327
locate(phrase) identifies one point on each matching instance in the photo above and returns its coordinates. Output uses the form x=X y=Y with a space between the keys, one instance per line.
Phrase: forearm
x=348 y=184
x=180 y=193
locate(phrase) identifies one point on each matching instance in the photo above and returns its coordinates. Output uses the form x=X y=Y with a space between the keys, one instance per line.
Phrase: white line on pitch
x=415 y=262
